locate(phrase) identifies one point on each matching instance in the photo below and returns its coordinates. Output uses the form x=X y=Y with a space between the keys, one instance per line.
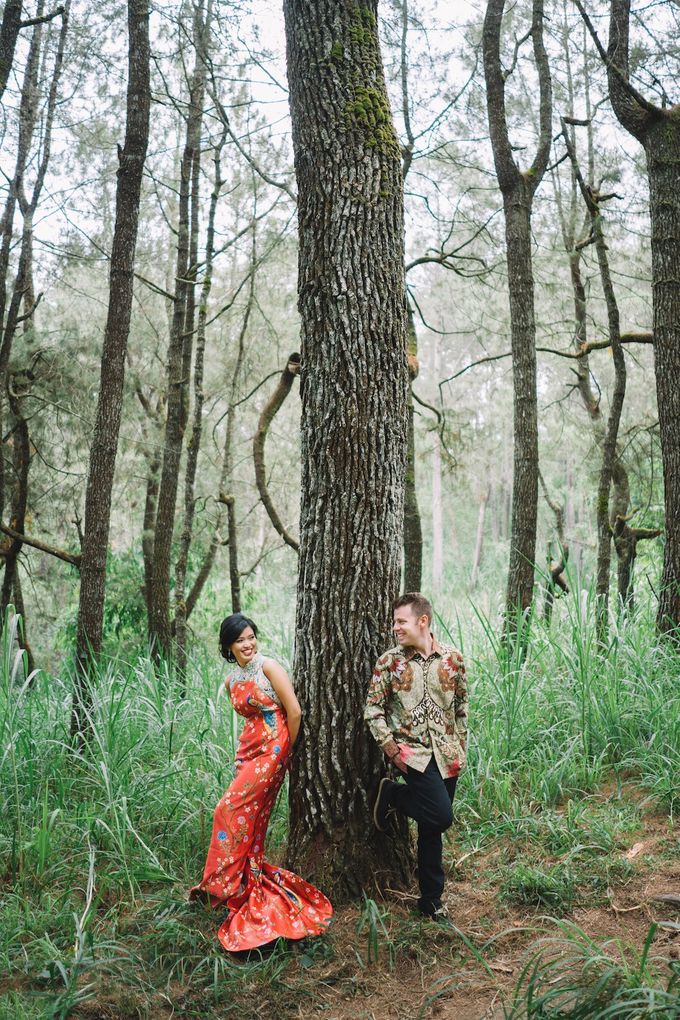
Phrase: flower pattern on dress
x=264 y=902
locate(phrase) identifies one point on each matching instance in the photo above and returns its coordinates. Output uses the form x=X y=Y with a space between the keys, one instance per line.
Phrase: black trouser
x=426 y=797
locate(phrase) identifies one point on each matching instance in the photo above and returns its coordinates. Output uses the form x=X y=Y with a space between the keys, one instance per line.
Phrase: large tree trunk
x=663 y=166
x=109 y=403
x=518 y=190
x=354 y=385
x=9 y=33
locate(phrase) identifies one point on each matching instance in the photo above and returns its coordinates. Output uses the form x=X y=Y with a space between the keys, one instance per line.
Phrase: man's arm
x=379 y=694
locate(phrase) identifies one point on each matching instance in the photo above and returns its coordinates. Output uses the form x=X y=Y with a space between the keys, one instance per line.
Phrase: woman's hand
x=280 y=681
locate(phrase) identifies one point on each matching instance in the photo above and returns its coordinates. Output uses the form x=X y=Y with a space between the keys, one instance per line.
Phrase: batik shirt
x=419 y=707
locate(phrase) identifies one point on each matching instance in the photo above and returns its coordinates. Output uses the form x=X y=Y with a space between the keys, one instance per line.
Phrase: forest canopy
x=215 y=274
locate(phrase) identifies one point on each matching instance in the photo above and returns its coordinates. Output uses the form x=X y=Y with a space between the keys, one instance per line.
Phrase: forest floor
x=506 y=896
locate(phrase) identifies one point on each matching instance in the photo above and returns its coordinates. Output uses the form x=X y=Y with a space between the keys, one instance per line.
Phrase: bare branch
x=269 y=411
x=35 y=543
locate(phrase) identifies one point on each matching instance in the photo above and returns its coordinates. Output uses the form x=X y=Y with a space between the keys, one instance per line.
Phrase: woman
x=264 y=902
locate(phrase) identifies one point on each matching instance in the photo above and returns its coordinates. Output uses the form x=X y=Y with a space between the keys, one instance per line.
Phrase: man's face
x=408 y=628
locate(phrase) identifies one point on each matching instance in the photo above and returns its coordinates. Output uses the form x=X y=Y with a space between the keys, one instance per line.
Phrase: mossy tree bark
x=354 y=389
x=109 y=403
x=518 y=188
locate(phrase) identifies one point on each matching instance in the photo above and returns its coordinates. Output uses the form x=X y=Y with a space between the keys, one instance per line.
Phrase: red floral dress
x=264 y=901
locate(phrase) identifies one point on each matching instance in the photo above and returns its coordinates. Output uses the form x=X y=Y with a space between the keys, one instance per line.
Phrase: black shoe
x=382 y=810
x=439 y=915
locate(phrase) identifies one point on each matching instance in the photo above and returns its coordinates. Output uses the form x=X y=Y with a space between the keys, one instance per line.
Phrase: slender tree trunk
x=226 y=481
x=179 y=357
x=518 y=189
x=28 y=118
x=524 y=513
x=23 y=631
x=21 y=294
x=555 y=573
x=150 y=503
x=354 y=386
x=194 y=444
x=413 y=530
x=437 y=510
x=109 y=404
x=625 y=541
x=479 y=541
x=21 y=449
x=611 y=437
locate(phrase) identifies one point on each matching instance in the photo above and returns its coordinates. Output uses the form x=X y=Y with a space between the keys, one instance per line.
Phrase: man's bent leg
x=427 y=798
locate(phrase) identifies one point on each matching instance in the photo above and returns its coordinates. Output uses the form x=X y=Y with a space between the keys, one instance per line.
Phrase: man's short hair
x=420 y=605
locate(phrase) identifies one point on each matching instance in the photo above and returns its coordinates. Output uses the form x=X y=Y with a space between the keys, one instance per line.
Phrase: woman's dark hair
x=231 y=628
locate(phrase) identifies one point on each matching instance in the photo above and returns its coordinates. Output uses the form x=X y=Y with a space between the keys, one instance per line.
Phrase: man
x=416 y=709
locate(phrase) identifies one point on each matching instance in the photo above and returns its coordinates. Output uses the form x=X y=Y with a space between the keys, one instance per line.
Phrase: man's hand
x=393 y=753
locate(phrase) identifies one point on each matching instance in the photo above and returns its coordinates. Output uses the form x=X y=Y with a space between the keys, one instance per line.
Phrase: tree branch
x=35 y=543
x=628 y=103
x=268 y=413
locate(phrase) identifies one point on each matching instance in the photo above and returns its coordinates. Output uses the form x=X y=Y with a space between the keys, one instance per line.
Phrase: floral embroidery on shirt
x=420 y=705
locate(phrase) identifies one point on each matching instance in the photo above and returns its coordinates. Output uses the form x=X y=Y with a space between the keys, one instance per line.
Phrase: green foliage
x=547 y=730
x=372 y=922
x=529 y=886
x=124 y=623
x=573 y=975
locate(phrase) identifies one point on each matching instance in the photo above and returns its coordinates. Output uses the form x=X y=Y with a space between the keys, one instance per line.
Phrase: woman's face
x=244 y=647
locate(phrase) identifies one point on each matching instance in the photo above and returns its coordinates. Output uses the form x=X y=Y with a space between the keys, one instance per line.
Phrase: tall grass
x=553 y=723
x=570 y=974
x=133 y=813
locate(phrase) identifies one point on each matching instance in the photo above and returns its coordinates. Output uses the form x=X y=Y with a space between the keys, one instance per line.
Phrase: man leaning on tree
x=416 y=708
